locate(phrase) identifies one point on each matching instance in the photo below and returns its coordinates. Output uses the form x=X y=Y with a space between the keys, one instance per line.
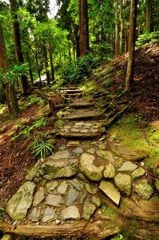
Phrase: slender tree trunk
x=131 y=47
x=117 y=40
x=46 y=64
x=52 y=66
x=17 y=43
x=121 y=26
x=8 y=87
x=148 y=15
x=31 y=73
x=84 y=33
x=38 y=69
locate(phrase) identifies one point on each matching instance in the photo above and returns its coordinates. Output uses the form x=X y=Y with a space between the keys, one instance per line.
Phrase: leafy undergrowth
x=19 y=142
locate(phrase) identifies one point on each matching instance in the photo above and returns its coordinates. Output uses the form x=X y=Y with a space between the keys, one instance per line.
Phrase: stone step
x=71 y=91
x=79 y=135
x=83 y=114
x=79 y=105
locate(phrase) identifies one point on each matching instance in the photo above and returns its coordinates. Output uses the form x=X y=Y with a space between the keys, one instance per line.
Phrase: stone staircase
x=63 y=195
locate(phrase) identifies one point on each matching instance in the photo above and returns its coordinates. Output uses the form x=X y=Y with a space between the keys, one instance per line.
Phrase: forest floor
x=138 y=128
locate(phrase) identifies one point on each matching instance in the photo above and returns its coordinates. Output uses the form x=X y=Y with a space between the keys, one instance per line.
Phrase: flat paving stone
x=71 y=197
x=71 y=212
x=54 y=200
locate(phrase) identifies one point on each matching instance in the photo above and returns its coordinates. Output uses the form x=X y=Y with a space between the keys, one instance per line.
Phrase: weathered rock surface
x=109 y=171
x=143 y=189
x=54 y=200
x=71 y=197
x=49 y=215
x=39 y=196
x=91 y=188
x=105 y=154
x=87 y=166
x=123 y=182
x=51 y=186
x=21 y=201
x=62 y=188
x=127 y=167
x=111 y=191
x=88 y=210
x=139 y=172
x=35 y=215
x=71 y=212
x=59 y=169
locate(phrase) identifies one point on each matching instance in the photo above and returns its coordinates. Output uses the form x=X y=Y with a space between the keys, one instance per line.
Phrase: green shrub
x=80 y=69
x=42 y=145
x=147 y=38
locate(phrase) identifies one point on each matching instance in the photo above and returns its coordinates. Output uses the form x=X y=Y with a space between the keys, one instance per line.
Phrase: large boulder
x=87 y=166
x=18 y=205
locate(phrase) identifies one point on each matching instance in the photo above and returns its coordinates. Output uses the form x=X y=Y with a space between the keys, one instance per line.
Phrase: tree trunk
x=8 y=88
x=84 y=33
x=38 y=69
x=121 y=26
x=117 y=41
x=148 y=15
x=131 y=47
x=31 y=74
x=17 y=43
x=52 y=66
x=46 y=64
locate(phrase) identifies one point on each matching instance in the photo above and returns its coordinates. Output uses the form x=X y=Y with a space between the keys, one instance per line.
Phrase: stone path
x=71 y=184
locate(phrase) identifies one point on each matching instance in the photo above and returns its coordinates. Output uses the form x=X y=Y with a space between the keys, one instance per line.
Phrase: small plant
x=42 y=145
x=145 y=38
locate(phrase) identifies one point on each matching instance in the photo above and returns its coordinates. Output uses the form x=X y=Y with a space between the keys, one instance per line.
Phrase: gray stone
x=111 y=191
x=78 y=151
x=33 y=172
x=88 y=210
x=127 y=167
x=35 y=215
x=51 y=186
x=71 y=212
x=105 y=154
x=91 y=188
x=143 y=189
x=96 y=200
x=54 y=200
x=61 y=155
x=109 y=171
x=18 y=205
x=102 y=146
x=81 y=196
x=76 y=184
x=62 y=188
x=139 y=172
x=123 y=182
x=39 y=196
x=49 y=215
x=71 y=197
x=87 y=166
x=91 y=150
x=59 y=169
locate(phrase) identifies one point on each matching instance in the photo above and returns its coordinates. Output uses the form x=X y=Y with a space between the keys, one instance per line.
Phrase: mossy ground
x=129 y=132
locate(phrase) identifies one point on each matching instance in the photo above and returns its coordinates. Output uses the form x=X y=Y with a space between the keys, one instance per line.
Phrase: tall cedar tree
x=148 y=15
x=17 y=43
x=84 y=33
x=8 y=88
x=131 y=46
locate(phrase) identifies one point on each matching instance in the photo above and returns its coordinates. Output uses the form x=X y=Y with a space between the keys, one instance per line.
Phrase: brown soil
x=15 y=156
x=145 y=92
